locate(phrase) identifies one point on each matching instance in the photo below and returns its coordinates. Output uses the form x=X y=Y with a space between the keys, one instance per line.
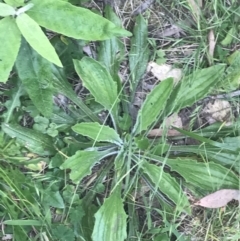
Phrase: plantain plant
x=119 y=143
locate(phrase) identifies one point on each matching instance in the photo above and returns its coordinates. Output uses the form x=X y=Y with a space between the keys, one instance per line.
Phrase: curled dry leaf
x=164 y=71
x=219 y=111
x=219 y=199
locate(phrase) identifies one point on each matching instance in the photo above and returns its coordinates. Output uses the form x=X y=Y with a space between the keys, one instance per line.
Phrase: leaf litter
x=219 y=198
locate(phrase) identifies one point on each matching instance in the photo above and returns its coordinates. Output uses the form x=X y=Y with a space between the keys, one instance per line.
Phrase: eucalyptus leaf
x=75 y=22
x=38 y=40
x=98 y=132
x=111 y=220
x=208 y=176
x=6 y=10
x=167 y=185
x=139 y=52
x=34 y=141
x=82 y=162
x=99 y=82
x=10 y=44
x=36 y=76
x=153 y=105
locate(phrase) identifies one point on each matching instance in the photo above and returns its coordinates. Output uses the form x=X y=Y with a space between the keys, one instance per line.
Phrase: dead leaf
x=219 y=111
x=143 y=7
x=164 y=71
x=173 y=30
x=219 y=199
x=195 y=6
x=173 y=120
x=212 y=43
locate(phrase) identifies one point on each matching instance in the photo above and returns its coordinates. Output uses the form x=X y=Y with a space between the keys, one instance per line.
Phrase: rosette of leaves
x=131 y=151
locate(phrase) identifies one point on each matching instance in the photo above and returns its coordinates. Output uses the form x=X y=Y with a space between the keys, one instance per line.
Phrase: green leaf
x=75 y=22
x=139 y=52
x=98 y=132
x=13 y=102
x=32 y=140
x=99 y=82
x=111 y=52
x=21 y=222
x=111 y=220
x=208 y=176
x=38 y=40
x=82 y=162
x=153 y=105
x=194 y=87
x=6 y=10
x=63 y=233
x=15 y=3
x=53 y=199
x=36 y=76
x=64 y=87
x=229 y=37
x=10 y=44
x=167 y=185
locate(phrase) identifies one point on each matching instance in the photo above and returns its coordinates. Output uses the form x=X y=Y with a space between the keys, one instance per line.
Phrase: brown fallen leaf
x=212 y=42
x=219 y=198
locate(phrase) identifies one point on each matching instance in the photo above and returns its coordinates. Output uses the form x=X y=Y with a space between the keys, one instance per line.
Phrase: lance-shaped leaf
x=99 y=82
x=82 y=162
x=194 y=87
x=208 y=176
x=38 y=40
x=167 y=185
x=153 y=105
x=111 y=220
x=10 y=39
x=139 y=53
x=111 y=51
x=35 y=74
x=6 y=10
x=32 y=140
x=98 y=132
x=75 y=22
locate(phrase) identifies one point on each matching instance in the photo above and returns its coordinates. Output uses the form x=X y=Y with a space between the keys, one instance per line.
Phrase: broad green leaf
x=15 y=3
x=75 y=22
x=98 y=132
x=6 y=10
x=194 y=87
x=111 y=52
x=21 y=222
x=82 y=162
x=111 y=220
x=153 y=105
x=139 y=52
x=38 y=40
x=32 y=140
x=208 y=176
x=36 y=76
x=53 y=199
x=99 y=82
x=167 y=185
x=218 y=155
x=10 y=44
